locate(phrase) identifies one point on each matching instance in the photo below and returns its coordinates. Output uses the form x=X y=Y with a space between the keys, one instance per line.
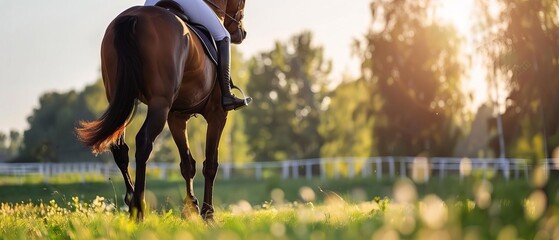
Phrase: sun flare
x=460 y=14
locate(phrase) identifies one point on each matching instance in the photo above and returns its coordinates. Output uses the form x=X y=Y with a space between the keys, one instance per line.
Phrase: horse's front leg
x=177 y=126
x=120 y=155
x=213 y=135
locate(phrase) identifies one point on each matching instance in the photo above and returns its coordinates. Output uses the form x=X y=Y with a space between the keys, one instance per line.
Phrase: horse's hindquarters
x=160 y=48
x=174 y=63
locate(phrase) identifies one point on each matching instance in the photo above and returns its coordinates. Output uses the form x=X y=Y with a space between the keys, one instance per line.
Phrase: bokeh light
x=242 y=207
x=535 y=205
x=277 y=229
x=555 y=160
x=404 y=191
x=482 y=194
x=508 y=233
x=278 y=196
x=385 y=233
x=433 y=211
x=540 y=175
x=307 y=194
x=420 y=169
x=401 y=217
x=465 y=167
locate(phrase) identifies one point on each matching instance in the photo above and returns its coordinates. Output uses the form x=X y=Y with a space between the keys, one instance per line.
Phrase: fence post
x=526 y=173
x=442 y=168
x=47 y=172
x=285 y=170
x=427 y=169
x=336 y=169
x=351 y=163
x=106 y=171
x=163 y=173
x=484 y=167
x=322 y=168
x=506 y=168
x=516 y=170
x=365 y=170
x=258 y=169
x=226 y=171
x=391 y=167
x=82 y=172
x=308 y=170
x=402 y=168
x=379 y=168
x=295 y=165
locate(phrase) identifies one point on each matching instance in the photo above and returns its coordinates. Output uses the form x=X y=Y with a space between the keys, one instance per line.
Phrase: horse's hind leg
x=213 y=135
x=153 y=125
x=177 y=125
x=120 y=154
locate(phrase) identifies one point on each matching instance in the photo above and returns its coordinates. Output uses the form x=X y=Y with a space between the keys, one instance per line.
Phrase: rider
x=199 y=12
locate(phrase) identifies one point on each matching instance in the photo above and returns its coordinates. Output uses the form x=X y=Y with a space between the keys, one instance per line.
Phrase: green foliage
x=10 y=145
x=346 y=127
x=523 y=53
x=51 y=137
x=288 y=86
x=233 y=145
x=412 y=71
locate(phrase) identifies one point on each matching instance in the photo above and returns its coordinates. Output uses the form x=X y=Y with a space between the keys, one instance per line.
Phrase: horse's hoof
x=208 y=217
x=136 y=214
x=207 y=214
x=189 y=211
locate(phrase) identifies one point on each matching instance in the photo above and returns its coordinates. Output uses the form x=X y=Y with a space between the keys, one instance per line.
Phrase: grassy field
x=296 y=209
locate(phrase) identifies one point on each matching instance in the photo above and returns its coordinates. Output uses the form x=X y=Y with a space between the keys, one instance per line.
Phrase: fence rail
x=418 y=168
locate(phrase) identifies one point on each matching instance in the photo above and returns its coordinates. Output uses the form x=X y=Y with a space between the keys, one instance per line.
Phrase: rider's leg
x=229 y=101
x=200 y=12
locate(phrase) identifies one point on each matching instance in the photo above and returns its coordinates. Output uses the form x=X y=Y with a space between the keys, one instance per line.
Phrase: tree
x=288 y=85
x=411 y=68
x=51 y=137
x=15 y=143
x=523 y=55
x=346 y=127
x=233 y=146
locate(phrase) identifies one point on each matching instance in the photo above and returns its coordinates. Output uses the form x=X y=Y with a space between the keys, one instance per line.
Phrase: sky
x=54 y=45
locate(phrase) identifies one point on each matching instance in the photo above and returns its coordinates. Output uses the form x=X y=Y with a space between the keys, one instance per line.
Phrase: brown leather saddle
x=198 y=29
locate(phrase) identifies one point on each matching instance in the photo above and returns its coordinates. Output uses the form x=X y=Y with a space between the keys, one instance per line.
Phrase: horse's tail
x=105 y=131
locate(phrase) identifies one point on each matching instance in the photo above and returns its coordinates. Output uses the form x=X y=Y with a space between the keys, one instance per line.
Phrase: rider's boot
x=228 y=100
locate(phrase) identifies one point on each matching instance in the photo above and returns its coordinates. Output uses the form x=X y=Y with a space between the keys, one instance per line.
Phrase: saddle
x=201 y=32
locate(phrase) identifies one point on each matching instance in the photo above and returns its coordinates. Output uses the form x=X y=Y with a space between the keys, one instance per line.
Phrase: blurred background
x=436 y=119
x=360 y=78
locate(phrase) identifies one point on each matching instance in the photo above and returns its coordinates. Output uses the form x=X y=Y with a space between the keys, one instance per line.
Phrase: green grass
x=274 y=209
x=168 y=194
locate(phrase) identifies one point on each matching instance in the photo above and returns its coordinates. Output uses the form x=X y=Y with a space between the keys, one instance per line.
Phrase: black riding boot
x=228 y=100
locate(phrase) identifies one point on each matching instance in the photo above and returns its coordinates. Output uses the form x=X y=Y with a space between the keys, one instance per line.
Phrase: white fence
x=348 y=167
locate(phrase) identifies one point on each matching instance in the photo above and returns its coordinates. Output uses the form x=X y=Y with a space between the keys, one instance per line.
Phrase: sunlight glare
x=460 y=14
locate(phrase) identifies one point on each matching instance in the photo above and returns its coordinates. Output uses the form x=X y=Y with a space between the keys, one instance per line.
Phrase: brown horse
x=149 y=54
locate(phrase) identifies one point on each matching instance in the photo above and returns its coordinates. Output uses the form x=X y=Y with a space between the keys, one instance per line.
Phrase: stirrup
x=236 y=103
x=233 y=86
x=235 y=106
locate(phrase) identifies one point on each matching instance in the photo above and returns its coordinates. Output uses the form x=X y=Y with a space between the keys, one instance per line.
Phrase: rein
x=234 y=19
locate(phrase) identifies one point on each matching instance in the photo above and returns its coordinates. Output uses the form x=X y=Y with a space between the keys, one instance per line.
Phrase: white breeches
x=199 y=12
